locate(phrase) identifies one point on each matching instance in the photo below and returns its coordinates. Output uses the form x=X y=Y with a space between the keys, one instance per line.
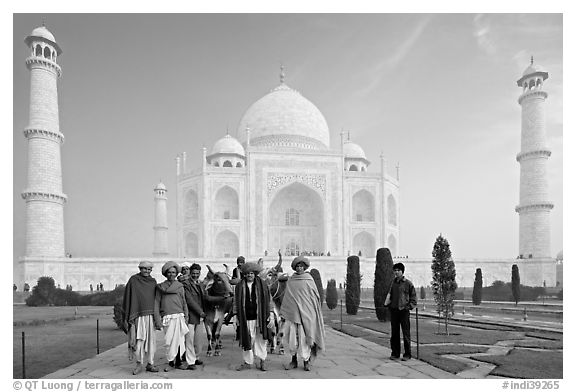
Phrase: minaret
x=534 y=207
x=160 y=221
x=43 y=194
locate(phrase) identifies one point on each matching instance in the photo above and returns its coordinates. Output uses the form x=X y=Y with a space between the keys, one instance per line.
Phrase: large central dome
x=284 y=118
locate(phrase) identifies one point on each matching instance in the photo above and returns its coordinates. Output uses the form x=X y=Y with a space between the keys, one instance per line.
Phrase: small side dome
x=160 y=187
x=228 y=145
x=353 y=150
x=43 y=32
x=560 y=256
x=532 y=68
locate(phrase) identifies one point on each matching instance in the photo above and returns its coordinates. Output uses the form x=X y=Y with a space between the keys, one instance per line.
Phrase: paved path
x=345 y=357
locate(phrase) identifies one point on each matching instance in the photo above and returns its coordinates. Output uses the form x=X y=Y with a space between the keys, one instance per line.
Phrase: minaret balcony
x=543 y=153
x=35 y=60
x=532 y=94
x=44 y=134
x=44 y=196
x=534 y=207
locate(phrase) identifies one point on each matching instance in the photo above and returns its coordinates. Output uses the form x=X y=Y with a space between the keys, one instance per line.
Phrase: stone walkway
x=345 y=357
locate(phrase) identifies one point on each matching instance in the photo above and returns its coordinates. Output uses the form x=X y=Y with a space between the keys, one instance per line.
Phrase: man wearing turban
x=253 y=310
x=141 y=318
x=301 y=310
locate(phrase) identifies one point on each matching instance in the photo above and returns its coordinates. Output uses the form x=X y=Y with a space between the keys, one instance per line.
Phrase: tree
x=331 y=294
x=477 y=291
x=352 y=293
x=422 y=292
x=318 y=280
x=515 y=284
x=42 y=293
x=383 y=276
x=443 y=279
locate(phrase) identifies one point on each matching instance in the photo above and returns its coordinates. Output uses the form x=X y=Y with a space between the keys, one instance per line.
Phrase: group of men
x=300 y=314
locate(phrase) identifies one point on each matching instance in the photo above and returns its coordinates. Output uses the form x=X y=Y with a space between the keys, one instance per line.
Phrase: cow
x=219 y=301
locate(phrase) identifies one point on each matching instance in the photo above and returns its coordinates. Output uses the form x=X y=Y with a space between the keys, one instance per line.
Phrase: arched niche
x=190 y=206
x=226 y=244
x=226 y=204
x=191 y=245
x=363 y=206
x=392 y=211
x=392 y=245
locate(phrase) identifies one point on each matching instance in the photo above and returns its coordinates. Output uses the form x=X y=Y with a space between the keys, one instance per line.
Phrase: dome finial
x=43 y=21
x=531 y=60
x=282 y=74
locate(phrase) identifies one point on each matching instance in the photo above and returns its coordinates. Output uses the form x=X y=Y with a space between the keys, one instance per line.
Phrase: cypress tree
x=477 y=291
x=443 y=279
x=515 y=284
x=318 y=280
x=383 y=276
x=352 y=293
x=422 y=292
x=331 y=294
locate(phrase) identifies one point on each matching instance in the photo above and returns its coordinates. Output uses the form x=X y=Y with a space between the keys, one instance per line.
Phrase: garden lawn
x=514 y=364
x=60 y=342
x=461 y=340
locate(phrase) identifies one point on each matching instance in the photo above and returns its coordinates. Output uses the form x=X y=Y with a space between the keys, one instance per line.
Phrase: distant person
x=14 y=287
x=141 y=318
x=195 y=294
x=255 y=316
x=174 y=313
x=401 y=299
x=91 y=288
x=301 y=310
x=184 y=272
x=237 y=272
x=26 y=287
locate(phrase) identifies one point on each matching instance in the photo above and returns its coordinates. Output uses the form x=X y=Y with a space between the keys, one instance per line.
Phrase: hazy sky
x=435 y=92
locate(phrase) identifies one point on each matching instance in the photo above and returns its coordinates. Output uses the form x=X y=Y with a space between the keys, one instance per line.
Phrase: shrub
x=66 y=298
x=318 y=280
x=42 y=293
x=515 y=284
x=352 y=293
x=331 y=294
x=477 y=291
x=383 y=276
x=104 y=298
x=119 y=316
x=500 y=291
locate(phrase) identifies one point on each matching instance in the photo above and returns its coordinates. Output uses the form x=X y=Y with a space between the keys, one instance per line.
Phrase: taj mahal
x=282 y=185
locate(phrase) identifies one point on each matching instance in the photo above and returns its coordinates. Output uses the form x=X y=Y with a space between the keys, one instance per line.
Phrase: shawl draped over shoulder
x=301 y=305
x=262 y=308
x=138 y=300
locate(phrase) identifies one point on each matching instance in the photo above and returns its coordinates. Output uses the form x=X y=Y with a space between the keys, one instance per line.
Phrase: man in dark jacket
x=253 y=310
x=401 y=299
x=194 y=292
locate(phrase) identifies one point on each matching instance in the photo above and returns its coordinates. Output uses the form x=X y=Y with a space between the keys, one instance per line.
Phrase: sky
x=435 y=93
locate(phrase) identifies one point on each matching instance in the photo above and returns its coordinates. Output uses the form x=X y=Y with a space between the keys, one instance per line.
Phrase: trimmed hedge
x=331 y=294
x=352 y=285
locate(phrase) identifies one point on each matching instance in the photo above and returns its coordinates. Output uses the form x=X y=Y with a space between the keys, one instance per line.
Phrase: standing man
x=253 y=310
x=141 y=318
x=400 y=300
x=304 y=325
x=195 y=294
x=237 y=272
